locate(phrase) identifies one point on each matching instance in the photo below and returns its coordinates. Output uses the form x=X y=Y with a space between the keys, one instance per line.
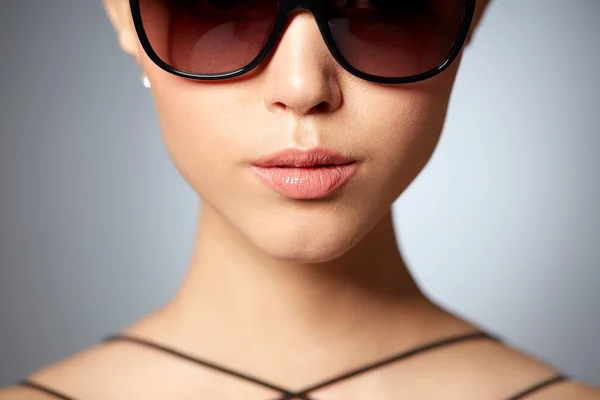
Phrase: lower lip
x=306 y=182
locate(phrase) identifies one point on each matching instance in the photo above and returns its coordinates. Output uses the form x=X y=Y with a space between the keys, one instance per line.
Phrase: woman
x=298 y=145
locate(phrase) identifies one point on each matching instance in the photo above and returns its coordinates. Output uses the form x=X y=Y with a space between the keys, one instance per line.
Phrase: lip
x=305 y=174
x=317 y=156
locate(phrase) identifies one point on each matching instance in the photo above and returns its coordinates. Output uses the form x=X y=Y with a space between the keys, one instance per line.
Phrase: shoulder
x=510 y=372
x=64 y=376
x=571 y=390
x=21 y=393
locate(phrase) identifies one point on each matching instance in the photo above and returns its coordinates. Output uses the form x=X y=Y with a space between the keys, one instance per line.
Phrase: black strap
x=303 y=394
x=44 y=389
x=520 y=396
x=539 y=386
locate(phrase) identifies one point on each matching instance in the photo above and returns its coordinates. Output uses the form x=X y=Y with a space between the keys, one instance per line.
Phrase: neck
x=235 y=296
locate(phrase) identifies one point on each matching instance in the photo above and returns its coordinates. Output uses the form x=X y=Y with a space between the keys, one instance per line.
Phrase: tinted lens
x=395 y=38
x=208 y=36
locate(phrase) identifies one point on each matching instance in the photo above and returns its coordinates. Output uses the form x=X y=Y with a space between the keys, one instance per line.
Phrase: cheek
x=198 y=153
x=201 y=136
x=404 y=124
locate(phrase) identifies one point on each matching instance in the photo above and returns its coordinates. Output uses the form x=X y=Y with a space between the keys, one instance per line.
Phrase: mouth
x=295 y=158
x=311 y=174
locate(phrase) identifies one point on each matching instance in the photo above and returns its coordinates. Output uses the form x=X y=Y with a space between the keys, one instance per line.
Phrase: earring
x=145 y=81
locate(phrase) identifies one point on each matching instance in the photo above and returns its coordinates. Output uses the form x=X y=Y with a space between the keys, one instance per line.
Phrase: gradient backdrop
x=503 y=225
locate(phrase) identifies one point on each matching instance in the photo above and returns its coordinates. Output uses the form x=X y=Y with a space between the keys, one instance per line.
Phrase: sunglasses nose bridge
x=315 y=7
x=287 y=9
x=290 y=6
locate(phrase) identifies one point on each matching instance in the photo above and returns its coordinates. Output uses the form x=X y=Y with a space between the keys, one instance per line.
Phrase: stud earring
x=145 y=81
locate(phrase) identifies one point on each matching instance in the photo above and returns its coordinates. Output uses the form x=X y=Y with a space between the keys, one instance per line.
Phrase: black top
x=304 y=394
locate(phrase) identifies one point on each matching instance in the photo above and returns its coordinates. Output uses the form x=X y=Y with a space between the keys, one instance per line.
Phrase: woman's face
x=298 y=98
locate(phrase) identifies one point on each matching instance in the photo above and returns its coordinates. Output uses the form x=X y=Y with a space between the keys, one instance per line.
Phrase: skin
x=292 y=291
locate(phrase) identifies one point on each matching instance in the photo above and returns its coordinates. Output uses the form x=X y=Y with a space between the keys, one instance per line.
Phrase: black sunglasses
x=382 y=41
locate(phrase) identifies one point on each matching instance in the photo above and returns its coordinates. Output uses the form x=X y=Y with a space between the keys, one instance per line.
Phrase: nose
x=301 y=76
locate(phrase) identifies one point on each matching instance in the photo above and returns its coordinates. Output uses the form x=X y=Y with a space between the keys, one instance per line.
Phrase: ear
x=480 y=8
x=119 y=14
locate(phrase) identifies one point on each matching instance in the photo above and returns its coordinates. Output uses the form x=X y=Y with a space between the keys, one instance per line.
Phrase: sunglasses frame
x=286 y=9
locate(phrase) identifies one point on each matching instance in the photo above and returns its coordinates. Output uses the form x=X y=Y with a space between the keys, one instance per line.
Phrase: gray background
x=503 y=225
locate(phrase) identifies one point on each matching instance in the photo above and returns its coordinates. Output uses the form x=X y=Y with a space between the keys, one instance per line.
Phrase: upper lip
x=318 y=156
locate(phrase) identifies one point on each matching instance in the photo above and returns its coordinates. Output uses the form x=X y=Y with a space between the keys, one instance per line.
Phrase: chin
x=309 y=240
x=312 y=252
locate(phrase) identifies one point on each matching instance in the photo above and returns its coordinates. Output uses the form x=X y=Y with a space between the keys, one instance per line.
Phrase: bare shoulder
x=21 y=393
x=571 y=390
x=61 y=377
x=512 y=373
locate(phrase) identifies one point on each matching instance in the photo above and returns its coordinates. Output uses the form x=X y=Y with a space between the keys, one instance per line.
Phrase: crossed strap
x=303 y=394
